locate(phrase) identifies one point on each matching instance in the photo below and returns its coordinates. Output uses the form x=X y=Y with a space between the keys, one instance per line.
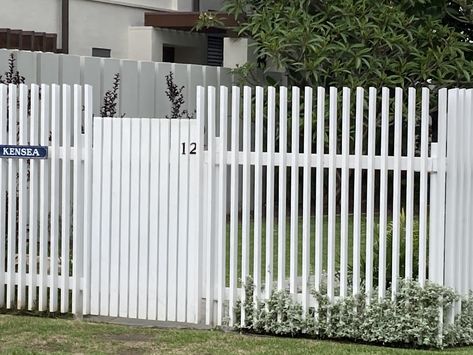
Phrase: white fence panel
x=367 y=175
x=121 y=216
x=37 y=197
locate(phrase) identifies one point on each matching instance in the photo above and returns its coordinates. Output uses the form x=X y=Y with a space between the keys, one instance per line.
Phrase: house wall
x=32 y=15
x=93 y=23
x=146 y=43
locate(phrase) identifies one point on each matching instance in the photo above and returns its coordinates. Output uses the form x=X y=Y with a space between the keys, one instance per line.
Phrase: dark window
x=169 y=54
x=101 y=52
x=215 y=51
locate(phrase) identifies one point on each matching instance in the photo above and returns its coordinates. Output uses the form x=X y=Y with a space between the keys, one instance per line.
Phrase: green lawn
x=26 y=335
x=312 y=245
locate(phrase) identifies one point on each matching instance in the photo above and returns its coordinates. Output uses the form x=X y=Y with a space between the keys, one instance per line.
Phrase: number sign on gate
x=23 y=152
x=192 y=149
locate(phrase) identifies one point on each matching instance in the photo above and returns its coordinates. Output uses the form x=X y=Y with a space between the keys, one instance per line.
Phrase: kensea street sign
x=23 y=152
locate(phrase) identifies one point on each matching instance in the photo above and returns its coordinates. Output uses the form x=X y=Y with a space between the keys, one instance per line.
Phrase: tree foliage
x=406 y=43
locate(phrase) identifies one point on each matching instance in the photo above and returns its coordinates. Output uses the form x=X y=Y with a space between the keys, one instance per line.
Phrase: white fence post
x=437 y=265
x=3 y=189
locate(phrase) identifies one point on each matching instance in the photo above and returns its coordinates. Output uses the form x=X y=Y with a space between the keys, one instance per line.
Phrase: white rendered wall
x=32 y=15
x=146 y=43
x=93 y=23
x=235 y=52
x=101 y=25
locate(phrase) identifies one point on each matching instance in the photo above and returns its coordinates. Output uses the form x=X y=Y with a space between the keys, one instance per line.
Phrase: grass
x=311 y=245
x=26 y=335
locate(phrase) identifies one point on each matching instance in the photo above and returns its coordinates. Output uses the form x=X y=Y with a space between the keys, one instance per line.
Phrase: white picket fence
x=46 y=223
x=342 y=254
x=146 y=219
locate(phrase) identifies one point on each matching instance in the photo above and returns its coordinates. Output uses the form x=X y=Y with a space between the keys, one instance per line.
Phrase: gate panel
x=146 y=198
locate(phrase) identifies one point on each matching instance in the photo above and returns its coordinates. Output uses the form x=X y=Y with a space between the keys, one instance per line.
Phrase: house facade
x=151 y=30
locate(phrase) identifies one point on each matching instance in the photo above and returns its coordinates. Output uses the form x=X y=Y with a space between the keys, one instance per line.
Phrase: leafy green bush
x=414 y=318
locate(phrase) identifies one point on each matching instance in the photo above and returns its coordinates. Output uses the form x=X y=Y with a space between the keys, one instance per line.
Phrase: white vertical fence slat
x=173 y=220
x=115 y=232
x=163 y=223
x=271 y=136
x=331 y=243
x=44 y=196
x=396 y=231
x=88 y=164
x=383 y=190
x=78 y=204
x=258 y=198
x=222 y=203
x=96 y=218
x=282 y=194
x=319 y=188
x=437 y=196
x=306 y=194
x=469 y=164
x=55 y=202
x=234 y=222
x=134 y=219
x=468 y=176
x=12 y=171
x=294 y=231
x=454 y=156
x=22 y=199
x=33 y=198
x=466 y=196
x=424 y=153
x=66 y=196
x=370 y=193
x=245 y=224
x=209 y=294
x=459 y=197
x=106 y=208
x=345 y=190
x=153 y=222
x=125 y=216
x=183 y=220
x=196 y=220
x=143 y=243
x=357 y=190
x=3 y=190
x=411 y=118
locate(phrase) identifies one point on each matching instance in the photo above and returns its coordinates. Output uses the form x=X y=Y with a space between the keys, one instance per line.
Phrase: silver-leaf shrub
x=415 y=317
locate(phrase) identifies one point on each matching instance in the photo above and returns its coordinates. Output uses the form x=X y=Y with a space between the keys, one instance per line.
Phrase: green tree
x=406 y=43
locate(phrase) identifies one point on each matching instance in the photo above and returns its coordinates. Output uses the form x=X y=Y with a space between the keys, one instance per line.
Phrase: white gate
x=145 y=225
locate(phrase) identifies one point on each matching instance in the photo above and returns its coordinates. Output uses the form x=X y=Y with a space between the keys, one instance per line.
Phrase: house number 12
x=192 y=148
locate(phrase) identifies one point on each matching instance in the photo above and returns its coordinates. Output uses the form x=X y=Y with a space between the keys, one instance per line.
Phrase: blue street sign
x=23 y=152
